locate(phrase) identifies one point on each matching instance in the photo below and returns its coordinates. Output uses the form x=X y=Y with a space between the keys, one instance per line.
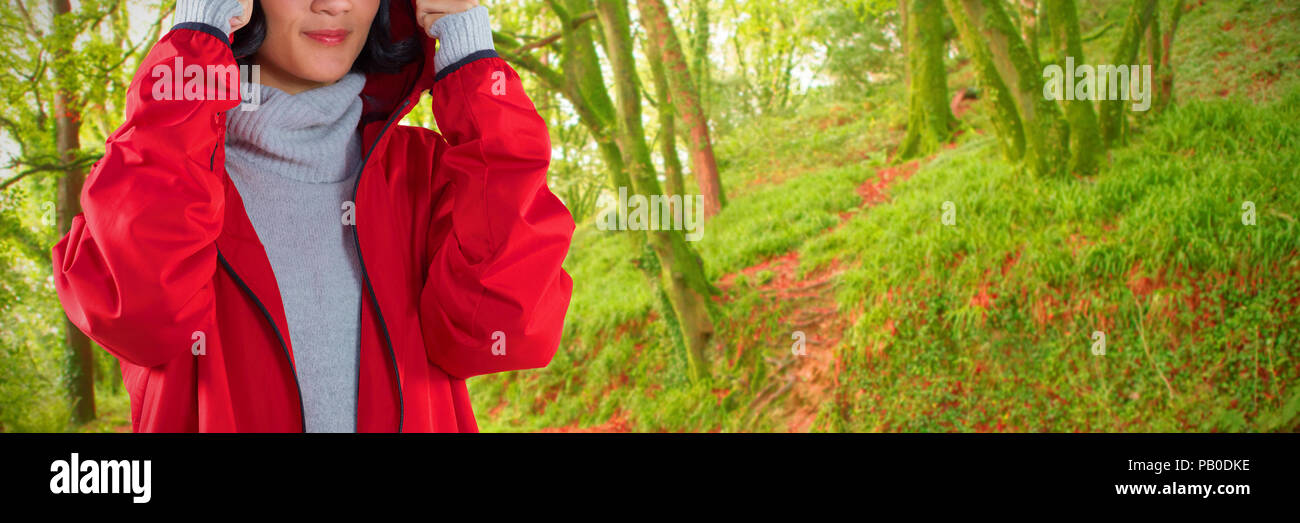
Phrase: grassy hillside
x=986 y=324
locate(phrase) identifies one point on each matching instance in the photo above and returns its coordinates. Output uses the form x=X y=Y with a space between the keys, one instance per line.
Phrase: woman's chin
x=325 y=74
x=320 y=66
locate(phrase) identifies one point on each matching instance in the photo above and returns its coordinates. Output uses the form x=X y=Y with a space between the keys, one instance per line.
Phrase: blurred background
x=902 y=232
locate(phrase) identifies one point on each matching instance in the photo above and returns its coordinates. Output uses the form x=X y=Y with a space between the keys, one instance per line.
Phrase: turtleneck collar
x=310 y=137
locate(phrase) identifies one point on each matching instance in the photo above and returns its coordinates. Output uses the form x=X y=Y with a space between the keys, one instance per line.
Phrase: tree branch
x=81 y=162
x=27 y=18
x=549 y=76
x=569 y=26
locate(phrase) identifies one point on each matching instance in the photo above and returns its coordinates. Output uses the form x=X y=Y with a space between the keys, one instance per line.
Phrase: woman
x=311 y=265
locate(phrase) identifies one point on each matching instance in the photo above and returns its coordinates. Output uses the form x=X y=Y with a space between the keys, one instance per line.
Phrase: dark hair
x=380 y=54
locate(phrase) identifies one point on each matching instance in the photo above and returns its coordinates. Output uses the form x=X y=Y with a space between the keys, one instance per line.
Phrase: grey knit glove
x=216 y=13
x=460 y=35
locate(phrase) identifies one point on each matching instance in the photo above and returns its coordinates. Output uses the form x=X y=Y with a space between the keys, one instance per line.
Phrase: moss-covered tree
x=681 y=268
x=676 y=271
x=659 y=27
x=1085 y=139
x=1030 y=17
x=673 y=182
x=1006 y=124
x=579 y=77
x=1165 y=90
x=67 y=132
x=988 y=31
x=1112 y=119
x=929 y=121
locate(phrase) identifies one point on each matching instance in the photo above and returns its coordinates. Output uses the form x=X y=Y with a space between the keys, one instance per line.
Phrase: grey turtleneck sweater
x=294 y=160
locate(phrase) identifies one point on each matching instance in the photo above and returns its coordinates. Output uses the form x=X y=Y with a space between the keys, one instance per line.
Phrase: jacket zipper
x=302 y=414
x=365 y=277
x=284 y=346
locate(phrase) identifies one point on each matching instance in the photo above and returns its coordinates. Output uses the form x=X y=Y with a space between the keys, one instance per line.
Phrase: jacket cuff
x=461 y=35
x=216 y=13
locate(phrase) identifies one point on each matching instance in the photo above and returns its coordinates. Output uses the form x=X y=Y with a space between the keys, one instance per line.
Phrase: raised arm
x=496 y=295
x=135 y=270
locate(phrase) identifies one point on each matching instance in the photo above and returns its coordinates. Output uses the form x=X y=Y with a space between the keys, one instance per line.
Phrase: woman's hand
x=242 y=20
x=429 y=11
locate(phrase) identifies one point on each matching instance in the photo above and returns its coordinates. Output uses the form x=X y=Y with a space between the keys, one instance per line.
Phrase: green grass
x=613 y=360
x=772 y=150
x=1238 y=48
x=780 y=217
x=952 y=365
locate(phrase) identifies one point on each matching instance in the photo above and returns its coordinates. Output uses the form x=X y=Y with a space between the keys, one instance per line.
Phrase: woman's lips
x=328 y=37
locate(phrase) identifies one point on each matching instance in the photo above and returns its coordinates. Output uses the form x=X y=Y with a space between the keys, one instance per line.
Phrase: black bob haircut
x=380 y=54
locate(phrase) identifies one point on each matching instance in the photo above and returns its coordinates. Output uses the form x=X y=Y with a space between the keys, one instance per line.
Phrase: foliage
x=861 y=48
x=95 y=51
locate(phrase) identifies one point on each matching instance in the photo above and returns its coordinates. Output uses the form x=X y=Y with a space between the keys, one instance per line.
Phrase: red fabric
x=460 y=239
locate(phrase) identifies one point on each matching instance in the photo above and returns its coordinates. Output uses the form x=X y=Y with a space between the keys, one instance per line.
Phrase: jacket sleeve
x=495 y=295
x=134 y=272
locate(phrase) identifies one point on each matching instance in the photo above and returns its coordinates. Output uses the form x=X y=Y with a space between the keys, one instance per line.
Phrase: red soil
x=808 y=305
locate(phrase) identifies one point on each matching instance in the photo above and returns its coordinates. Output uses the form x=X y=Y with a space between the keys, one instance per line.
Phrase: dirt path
x=800 y=384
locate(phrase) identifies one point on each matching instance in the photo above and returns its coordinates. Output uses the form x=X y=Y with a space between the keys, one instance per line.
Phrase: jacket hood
x=386 y=93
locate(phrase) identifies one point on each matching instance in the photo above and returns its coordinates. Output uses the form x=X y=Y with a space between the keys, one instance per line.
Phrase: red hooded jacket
x=460 y=241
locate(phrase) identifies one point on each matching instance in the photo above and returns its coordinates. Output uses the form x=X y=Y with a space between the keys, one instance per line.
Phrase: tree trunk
x=700 y=48
x=929 y=117
x=1126 y=53
x=1006 y=123
x=659 y=28
x=905 y=47
x=1165 y=93
x=667 y=123
x=67 y=124
x=681 y=268
x=1045 y=132
x=1154 y=46
x=1029 y=17
x=581 y=82
x=677 y=274
x=1085 y=138
x=582 y=69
